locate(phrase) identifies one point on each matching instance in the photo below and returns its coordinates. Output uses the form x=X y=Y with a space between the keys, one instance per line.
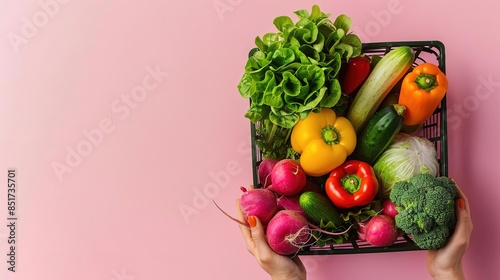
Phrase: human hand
x=277 y=266
x=446 y=263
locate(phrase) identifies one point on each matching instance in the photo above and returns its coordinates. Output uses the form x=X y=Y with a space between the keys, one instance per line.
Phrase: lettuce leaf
x=295 y=69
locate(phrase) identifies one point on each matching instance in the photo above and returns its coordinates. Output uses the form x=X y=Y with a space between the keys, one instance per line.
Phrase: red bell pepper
x=352 y=184
x=357 y=71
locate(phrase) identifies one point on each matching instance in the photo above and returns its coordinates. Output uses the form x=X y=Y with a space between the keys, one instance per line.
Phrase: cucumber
x=379 y=132
x=389 y=70
x=320 y=210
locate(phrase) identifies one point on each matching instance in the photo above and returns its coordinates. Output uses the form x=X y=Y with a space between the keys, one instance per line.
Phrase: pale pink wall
x=154 y=85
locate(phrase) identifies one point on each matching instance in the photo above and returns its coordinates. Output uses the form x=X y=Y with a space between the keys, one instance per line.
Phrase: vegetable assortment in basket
x=338 y=136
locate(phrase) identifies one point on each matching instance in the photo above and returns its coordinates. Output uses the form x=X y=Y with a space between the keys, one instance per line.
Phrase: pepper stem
x=351 y=183
x=426 y=81
x=330 y=135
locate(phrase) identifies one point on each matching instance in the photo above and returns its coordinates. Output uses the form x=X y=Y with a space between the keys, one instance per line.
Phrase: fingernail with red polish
x=461 y=203
x=252 y=221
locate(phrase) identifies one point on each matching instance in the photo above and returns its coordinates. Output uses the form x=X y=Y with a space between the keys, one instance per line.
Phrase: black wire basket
x=433 y=129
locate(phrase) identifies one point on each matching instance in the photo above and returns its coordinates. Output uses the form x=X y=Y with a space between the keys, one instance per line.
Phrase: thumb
x=459 y=240
x=259 y=236
x=464 y=222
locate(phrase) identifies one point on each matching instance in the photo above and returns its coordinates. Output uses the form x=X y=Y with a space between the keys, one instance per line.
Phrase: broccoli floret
x=426 y=209
x=414 y=222
x=439 y=202
x=423 y=180
x=432 y=240
x=448 y=184
x=403 y=186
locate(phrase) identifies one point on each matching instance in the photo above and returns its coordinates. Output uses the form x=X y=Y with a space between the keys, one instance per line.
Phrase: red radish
x=287 y=232
x=290 y=203
x=361 y=231
x=265 y=168
x=261 y=203
x=381 y=231
x=389 y=208
x=287 y=177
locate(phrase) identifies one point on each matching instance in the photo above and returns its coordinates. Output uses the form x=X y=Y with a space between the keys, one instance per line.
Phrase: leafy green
x=278 y=143
x=362 y=214
x=294 y=71
x=326 y=239
x=323 y=239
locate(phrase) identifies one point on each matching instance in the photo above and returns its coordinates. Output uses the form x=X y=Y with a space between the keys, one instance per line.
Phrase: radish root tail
x=230 y=217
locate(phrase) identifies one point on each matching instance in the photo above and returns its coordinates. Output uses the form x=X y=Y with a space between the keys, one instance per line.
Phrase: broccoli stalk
x=426 y=209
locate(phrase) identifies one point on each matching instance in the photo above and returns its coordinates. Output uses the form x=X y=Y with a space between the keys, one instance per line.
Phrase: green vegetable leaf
x=301 y=57
x=310 y=52
x=362 y=214
x=353 y=41
x=323 y=239
x=264 y=87
x=313 y=77
x=343 y=22
x=260 y=44
x=315 y=13
x=291 y=85
x=333 y=95
x=273 y=38
x=314 y=100
x=282 y=119
x=282 y=57
x=304 y=114
x=345 y=50
x=257 y=65
x=246 y=86
x=306 y=31
x=273 y=140
x=256 y=113
x=325 y=27
x=302 y=14
x=283 y=23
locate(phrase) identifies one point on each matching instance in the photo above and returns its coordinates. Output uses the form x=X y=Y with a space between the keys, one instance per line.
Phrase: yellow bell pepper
x=323 y=141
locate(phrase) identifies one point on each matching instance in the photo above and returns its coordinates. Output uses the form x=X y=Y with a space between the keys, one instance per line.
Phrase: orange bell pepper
x=421 y=92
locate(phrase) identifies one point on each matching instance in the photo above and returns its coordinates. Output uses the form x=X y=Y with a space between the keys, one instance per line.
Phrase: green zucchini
x=320 y=210
x=385 y=75
x=379 y=132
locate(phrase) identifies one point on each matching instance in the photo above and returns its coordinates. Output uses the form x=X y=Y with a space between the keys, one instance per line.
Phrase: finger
x=462 y=195
x=461 y=235
x=299 y=263
x=247 y=235
x=464 y=222
x=240 y=215
x=265 y=252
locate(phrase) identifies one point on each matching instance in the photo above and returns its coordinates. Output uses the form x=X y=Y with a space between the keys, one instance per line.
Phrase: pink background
x=153 y=85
